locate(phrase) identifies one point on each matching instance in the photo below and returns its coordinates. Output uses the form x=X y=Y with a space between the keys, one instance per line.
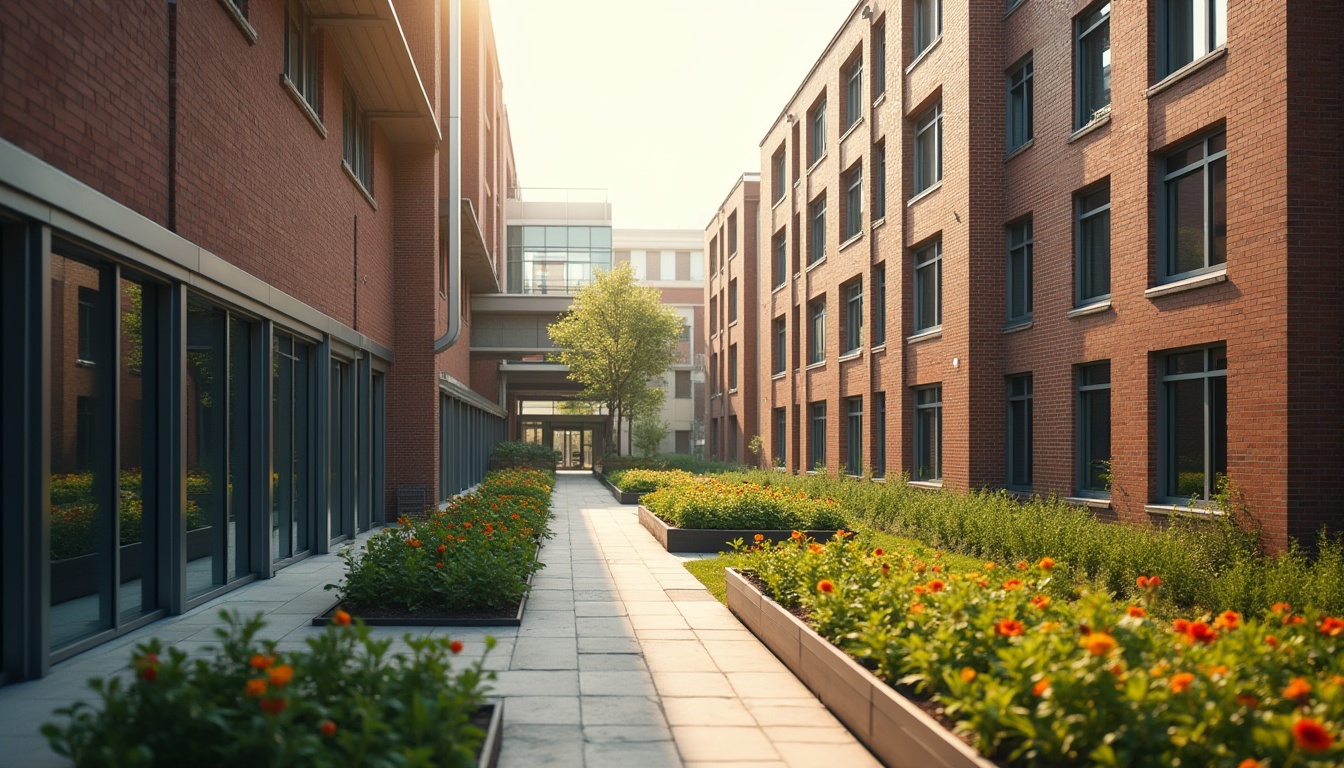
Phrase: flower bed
x=344 y=700
x=472 y=560
x=707 y=502
x=628 y=486
x=1037 y=679
x=516 y=454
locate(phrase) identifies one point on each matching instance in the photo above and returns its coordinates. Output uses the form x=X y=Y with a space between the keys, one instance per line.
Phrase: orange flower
x=815 y=549
x=1181 y=626
x=1148 y=582
x=1098 y=643
x=327 y=728
x=455 y=647
x=1290 y=619
x=826 y=586
x=1311 y=736
x=439 y=564
x=983 y=583
x=280 y=676
x=916 y=608
x=261 y=661
x=1248 y=700
x=1049 y=626
x=1298 y=690
x=1227 y=620
x=1142 y=582
x=442 y=548
x=1271 y=641
x=1008 y=627
x=254 y=688
x=991 y=565
x=1249 y=762
x=414 y=543
x=515 y=516
x=1040 y=601
x=1279 y=608
x=937 y=585
x=1332 y=626
x=967 y=674
x=796 y=536
x=1040 y=687
x=759 y=538
x=1046 y=563
x=937 y=569
x=466 y=525
x=1012 y=584
x=1180 y=681
x=273 y=706
x=1221 y=669
x=920 y=589
x=341 y=618
x=1022 y=565
x=886 y=569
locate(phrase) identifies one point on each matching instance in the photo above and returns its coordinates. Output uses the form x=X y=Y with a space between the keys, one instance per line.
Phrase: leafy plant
x=646 y=480
x=708 y=502
x=343 y=700
x=517 y=453
x=647 y=433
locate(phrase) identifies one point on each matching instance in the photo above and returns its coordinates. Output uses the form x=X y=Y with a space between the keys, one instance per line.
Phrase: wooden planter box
x=79 y=576
x=709 y=539
x=896 y=731
x=624 y=497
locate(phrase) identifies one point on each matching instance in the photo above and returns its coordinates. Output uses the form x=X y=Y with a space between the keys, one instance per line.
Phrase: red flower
x=1047 y=563
x=1227 y=620
x=1201 y=632
x=1040 y=687
x=826 y=586
x=327 y=728
x=147 y=667
x=340 y=618
x=1279 y=608
x=455 y=647
x=1298 y=690
x=1311 y=736
x=443 y=548
x=273 y=706
x=878 y=552
x=1181 y=625
x=937 y=585
x=1271 y=641
x=1136 y=611
x=1040 y=601
x=254 y=688
x=261 y=661
x=1008 y=627
x=886 y=569
x=414 y=543
x=1248 y=700
x=1332 y=626
x=439 y=564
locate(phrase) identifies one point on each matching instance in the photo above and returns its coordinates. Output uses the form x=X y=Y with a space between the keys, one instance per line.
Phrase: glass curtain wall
x=292 y=520
x=342 y=476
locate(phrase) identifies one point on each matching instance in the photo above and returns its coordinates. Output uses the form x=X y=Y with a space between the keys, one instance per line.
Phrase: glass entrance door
x=575 y=445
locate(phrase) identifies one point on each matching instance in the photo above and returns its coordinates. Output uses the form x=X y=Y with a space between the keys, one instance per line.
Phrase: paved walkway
x=623 y=659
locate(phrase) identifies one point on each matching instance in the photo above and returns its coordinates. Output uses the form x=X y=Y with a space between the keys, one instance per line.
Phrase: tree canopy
x=615 y=338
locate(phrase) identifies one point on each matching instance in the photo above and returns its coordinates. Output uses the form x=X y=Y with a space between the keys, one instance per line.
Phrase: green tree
x=615 y=338
x=647 y=432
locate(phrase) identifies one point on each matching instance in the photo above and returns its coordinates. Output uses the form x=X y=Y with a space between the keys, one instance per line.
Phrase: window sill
x=82 y=363
x=879 y=348
x=1181 y=510
x=855 y=355
x=240 y=20
x=304 y=106
x=880 y=479
x=1023 y=147
x=924 y=53
x=932 y=485
x=854 y=238
x=881 y=97
x=1185 y=71
x=1096 y=124
x=777 y=288
x=732 y=322
x=1095 y=308
x=928 y=333
x=1020 y=325
x=879 y=222
x=818 y=364
x=814 y=264
x=732 y=390
x=1091 y=502
x=815 y=163
x=1188 y=284
x=853 y=127
x=776 y=203
x=924 y=193
x=368 y=196
x=778 y=376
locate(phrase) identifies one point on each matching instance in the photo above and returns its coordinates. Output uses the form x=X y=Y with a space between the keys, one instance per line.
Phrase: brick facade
x=732 y=240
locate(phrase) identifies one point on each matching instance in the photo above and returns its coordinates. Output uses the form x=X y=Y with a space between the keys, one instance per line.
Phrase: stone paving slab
x=623 y=659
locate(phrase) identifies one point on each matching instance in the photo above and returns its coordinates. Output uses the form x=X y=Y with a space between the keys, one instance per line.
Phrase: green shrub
x=711 y=503
x=74 y=511
x=343 y=700
x=665 y=462
x=516 y=453
x=645 y=480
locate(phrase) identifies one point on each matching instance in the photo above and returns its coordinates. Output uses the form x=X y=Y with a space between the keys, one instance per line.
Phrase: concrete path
x=623 y=659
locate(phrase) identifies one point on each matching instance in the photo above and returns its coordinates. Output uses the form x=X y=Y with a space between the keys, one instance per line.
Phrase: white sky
x=661 y=102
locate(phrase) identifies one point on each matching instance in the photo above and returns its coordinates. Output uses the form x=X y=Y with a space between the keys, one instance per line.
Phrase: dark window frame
x=928 y=265
x=928 y=171
x=879 y=434
x=1089 y=209
x=1019 y=281
x=1211 y=166
x=780 y=246
x=816 y=132
x=852 y=74
x=853 y=316
x=1213 y=33
x=926 y=25
x=1213 y=398
x=303 y=63
x=853 y=183
x=816 y=214
x=1020 y=420
x=356 y=140
x=1093 y=472
x=879 y=184
x=817 y=437
x=817 y=342
x=1021 y=104
x=1088 y=32
x=928 y=399
x=854 y=436
x=879 y=305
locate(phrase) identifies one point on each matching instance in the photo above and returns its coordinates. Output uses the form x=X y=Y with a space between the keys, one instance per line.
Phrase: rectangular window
x=854 y=436
x=1189 y=29
x=685 y=337
x=301 y=62
x=929 y=287
x=777 y=178
x=713 y=255
x=1019 y=431
x=1019 y=271
x=88 y=302
x=853 y=316
x=681 y=384
x=713 y=315
x=816 y=121
x=928 y=23
x=853 y=202
x=817 y=239
x=817 y=457
x=731 y=248
x=683 y=441
x=929 y=433
x=879 y=305
x=1194 y=434
x=732 y=300
x=781 y=437
x=732 y=366
x=357 y=141
x=781 y=348
x=929 y=148
x=1020 y=105
x=1094 y=244
x=853 y=75
x=1194 y=208
x=879 y=434
x=1094 y=428
x=1092 y=84
x=817 y=352
x=879 y=57
x=781 y=253
x=880 y=181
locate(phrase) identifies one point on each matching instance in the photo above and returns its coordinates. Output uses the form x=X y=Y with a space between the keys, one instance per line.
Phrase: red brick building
x=1077 y=248
x=731 y=371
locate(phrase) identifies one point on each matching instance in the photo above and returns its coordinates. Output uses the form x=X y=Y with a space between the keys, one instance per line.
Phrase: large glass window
x=816 y=121
x=879 y=57
x=302 y=67
x=1094 y=428
x=557 y=259
x=1194 y=208
x=929 y=149
x=1188 y=30
x=817 y=239
x=929 y=287
x=732 y=300
x=928 y=23
x=357 y=140
x=854 y=91
x=879 y=434
x=1094 y=244
x=929 y=433
x=1019 y=431
x=1092 y=82
x=854 y=436
x=291 y=473
x=1019 y=271
x=853 y=202
x=341 y=477
x=781 y=339
x=1020 y=104
x=853 y=316
x=879 y=305
x=1194 y=434
x=778 y=180
x=817 y=351
x=879 y=181
x=732 y=367
x=817 y=456
x=781 y=253
x=781 y=437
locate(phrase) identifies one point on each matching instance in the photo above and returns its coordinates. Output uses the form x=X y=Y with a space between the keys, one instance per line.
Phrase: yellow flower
x=1098 y=643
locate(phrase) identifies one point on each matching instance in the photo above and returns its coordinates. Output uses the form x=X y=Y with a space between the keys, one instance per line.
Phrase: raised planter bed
x=709 y=539
x=494 y=734
x=896 y=731
x=624 y=497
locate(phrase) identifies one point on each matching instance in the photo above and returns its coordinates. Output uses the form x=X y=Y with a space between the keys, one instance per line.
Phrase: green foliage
x=645 y=480
x=711 y=503
x=349 y=702
x=666 y=461
x=477 y=554
x=1039 y=680
x=647 y=433
x=74 y=511
x=517 y=453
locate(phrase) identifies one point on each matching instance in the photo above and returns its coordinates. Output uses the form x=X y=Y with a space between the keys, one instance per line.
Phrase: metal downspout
x=454 y=195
